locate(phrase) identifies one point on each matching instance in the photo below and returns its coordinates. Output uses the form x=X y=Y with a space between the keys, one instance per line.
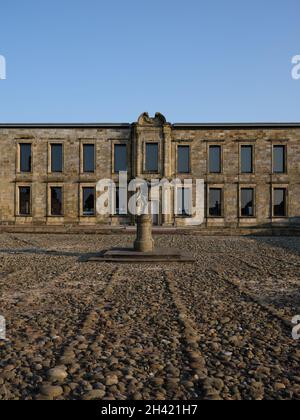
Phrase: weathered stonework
x=199 y=136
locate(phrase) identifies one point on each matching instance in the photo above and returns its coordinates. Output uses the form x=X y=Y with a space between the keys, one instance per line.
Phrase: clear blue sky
x=108 y=61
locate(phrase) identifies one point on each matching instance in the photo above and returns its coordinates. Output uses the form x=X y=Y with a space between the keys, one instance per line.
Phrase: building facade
x=251 y=172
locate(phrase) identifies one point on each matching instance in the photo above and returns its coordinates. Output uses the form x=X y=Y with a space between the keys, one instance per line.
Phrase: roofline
x=195 y=126
x=67 y=125
x=178 y=126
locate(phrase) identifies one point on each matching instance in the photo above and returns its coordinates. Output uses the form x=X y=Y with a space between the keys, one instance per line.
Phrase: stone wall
x=135 y=136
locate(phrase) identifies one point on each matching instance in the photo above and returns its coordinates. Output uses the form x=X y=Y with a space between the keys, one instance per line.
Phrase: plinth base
x=131 y=256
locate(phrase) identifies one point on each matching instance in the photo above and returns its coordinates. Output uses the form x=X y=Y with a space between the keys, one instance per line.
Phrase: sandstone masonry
x=231 y=184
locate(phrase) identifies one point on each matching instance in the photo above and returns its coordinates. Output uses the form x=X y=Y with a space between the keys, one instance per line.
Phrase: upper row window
x=247 y=159
x=120 y=158
x=279 y=159
x=152 y=158
x=56 y=157
x=25 y=157
x=89 y=158
x=183 y=163
x=215 y=160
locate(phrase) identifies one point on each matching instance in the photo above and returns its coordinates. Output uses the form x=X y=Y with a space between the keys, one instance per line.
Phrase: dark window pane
x=152 y=157
x=215 y=159
x=279 y=202
x=88 y=158
x=247 y=159
x=247 y=202
x=184 y=202
x=88 y=201
x=215 y=202
x=279 y=159
x=25 y=157
x=24 y=199
x=56 y=201
x=183 y=159
x=56 y=157
x=120 y=157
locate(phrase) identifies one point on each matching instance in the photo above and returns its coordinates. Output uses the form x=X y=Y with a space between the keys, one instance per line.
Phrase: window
x=24 y=201
x=120 y=158
x=184 y=202
x=88 y=199
x=89 y=158
x=247 y=202
x=121 y=201
x=25 y=157
x=247 y=159
x=151 y=157
x=183 y=163
x=279 y=154
x=56 y=201
x=215 y=159
x=279 y=209
x=215 y=202
x=56 y=158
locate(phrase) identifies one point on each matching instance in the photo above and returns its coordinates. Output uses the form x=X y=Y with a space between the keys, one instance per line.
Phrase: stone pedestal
x=144 y=241
x=143 y=250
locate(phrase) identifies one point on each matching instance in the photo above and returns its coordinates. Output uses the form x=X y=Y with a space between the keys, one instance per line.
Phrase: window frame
x=18 y=201
x=183 y=145
x=286 y=209
x=49 y=199
x=20 y=143
x=114 y=145
x=285 y=160
x=114 y=202
x=215 y=187
x=247 y=187
x=82 y=146
x=243 y=145
x=50 y=144
x=145 y=144
x=210 y=146
x=82 y=187
x=183 y=215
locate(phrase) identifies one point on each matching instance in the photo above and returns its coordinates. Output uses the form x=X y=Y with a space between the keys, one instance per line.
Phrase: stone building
x=49 y=172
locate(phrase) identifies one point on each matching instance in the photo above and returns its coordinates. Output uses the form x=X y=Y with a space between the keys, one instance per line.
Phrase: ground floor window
x=24 y=201
x=120 y=203
x=215 y=202
x=56 y=201
x=279 y=207
x=184 y=202
x=247 y=202
x=88 y=199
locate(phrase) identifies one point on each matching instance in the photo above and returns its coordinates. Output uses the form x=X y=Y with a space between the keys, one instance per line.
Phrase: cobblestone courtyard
x=216 y=329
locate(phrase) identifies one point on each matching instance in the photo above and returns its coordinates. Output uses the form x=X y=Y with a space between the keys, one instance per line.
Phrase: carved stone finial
x=157 y=121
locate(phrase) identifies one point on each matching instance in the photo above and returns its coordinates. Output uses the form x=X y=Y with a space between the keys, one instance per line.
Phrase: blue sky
x=108 y=61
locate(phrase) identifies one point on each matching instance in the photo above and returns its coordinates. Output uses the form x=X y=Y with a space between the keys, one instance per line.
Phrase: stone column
x=138 y=155
x=167 y=133
x=144 y=241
